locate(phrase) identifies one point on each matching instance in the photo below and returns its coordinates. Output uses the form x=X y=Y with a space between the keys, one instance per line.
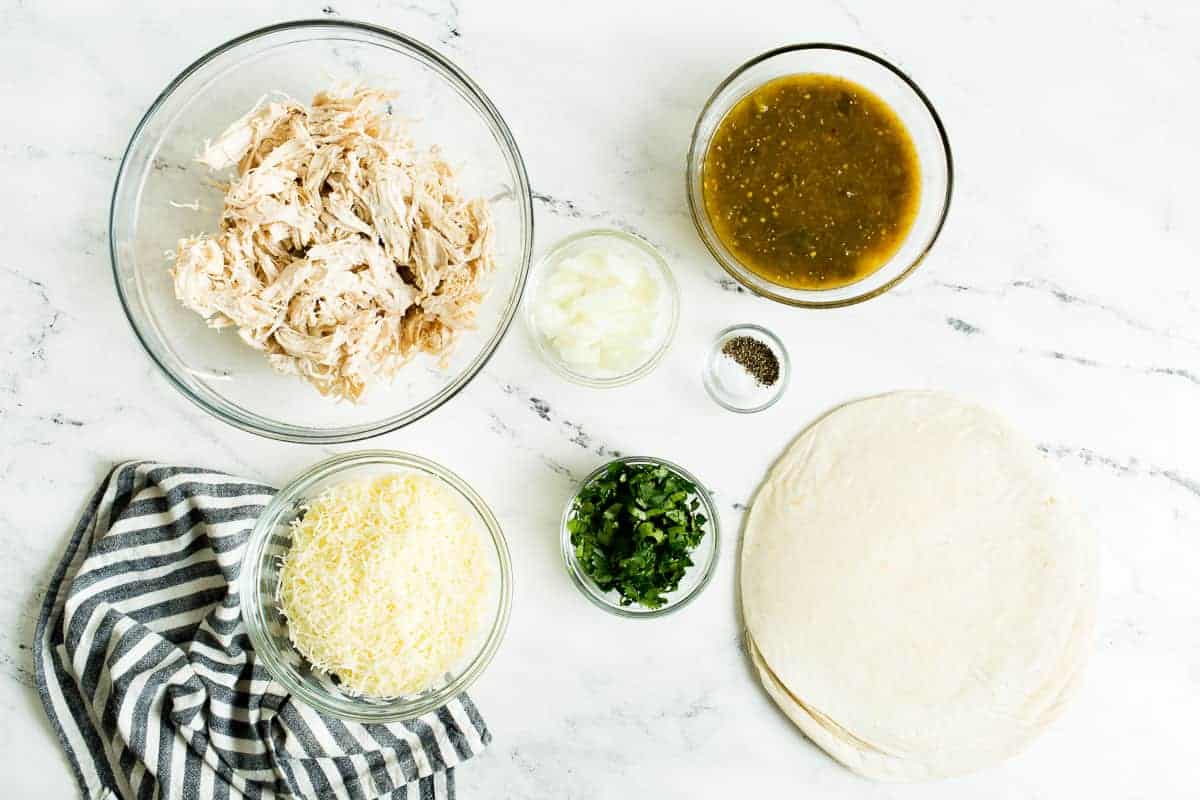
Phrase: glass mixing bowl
x=894 y=88
x=267 y=627
x=215 y=369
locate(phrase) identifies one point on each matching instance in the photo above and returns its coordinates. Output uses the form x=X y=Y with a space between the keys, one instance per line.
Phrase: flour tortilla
x=918 y=595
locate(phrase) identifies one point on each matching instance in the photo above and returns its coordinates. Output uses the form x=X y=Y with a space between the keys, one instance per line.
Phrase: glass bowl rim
x=252 y=603
x=582 y=582
x=537 y=276
x=785 y=367
x=253 y=422
x=691 y=176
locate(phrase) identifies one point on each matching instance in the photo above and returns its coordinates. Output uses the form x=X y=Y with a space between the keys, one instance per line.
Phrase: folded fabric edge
x=50 y=603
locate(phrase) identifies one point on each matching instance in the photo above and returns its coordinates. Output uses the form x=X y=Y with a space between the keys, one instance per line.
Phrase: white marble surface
x=1064 y=292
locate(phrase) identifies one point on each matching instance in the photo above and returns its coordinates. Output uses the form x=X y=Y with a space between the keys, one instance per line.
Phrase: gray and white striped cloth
x=147 y=674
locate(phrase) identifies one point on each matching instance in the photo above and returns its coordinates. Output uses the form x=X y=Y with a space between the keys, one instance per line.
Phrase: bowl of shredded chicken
x=342 y=250
x=321 y=231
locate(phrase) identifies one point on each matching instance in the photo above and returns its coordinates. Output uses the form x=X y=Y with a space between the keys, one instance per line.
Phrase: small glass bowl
x=572 y=245
x=267 y=627
x=728 y=397
x=704 y=557
x=894 y=88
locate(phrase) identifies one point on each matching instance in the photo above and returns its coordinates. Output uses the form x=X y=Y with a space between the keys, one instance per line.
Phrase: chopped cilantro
x=633 y=528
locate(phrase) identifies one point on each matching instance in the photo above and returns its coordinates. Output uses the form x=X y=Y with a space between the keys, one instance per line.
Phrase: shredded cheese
x=384 y=583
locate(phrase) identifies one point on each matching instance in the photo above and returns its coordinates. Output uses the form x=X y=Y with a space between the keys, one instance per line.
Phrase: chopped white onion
x=601 y=310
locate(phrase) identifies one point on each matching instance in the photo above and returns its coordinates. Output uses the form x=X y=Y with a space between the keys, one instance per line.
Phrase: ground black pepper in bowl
x=747 y=369
x=756 y=357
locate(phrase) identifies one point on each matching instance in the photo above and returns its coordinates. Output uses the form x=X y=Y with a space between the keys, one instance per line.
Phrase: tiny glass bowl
x=909 y=103
x=736 y=398
x=578 y=243
x=704 y=557
x=268 y=627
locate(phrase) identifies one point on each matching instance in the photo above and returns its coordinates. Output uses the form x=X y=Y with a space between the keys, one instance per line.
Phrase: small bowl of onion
x=603 y=307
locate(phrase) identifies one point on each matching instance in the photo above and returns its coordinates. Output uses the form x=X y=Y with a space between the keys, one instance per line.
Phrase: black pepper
x=756 y=357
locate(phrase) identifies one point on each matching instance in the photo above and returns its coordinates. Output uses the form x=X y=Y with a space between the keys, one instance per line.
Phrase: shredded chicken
x=342 y=251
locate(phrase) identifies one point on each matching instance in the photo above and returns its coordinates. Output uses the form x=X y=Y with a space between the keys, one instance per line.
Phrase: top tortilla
x=918 y=594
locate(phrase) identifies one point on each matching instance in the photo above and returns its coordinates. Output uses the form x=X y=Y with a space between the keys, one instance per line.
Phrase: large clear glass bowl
x=894 y=88
x=214 y=369
x=267 y=626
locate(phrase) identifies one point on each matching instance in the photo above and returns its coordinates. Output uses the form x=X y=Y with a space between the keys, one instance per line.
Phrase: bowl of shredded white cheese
x=376 y=586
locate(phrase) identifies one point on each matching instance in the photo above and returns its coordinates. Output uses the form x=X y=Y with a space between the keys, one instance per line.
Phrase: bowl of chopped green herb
x=640 y=537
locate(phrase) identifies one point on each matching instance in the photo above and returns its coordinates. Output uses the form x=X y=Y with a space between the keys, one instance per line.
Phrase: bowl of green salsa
x=819 y=175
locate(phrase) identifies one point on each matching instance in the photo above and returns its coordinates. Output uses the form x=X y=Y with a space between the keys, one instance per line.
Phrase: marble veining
x=1063 y=292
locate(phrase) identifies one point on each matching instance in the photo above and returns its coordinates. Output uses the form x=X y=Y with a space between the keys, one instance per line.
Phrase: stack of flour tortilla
x=918 y=594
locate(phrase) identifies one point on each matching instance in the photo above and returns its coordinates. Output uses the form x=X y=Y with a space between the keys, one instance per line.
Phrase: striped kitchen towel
x=147 y=674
